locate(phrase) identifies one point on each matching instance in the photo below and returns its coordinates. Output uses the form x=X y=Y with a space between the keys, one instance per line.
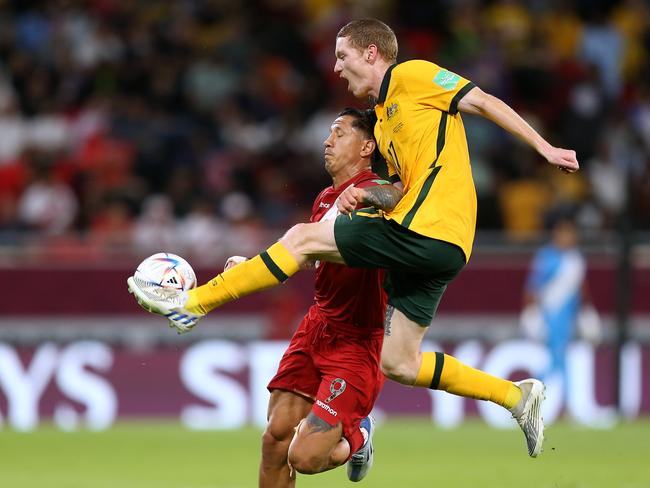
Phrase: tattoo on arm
x=317 y=424
x=387 y=319
x=383 y=197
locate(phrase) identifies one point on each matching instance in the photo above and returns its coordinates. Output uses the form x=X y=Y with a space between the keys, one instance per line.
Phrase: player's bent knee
x=275 y=447
x=305 y=462
x=398 y=370
x=308 y=455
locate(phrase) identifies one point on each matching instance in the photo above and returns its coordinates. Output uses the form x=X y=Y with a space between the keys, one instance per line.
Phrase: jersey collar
x=383 y=90
x=360 y=176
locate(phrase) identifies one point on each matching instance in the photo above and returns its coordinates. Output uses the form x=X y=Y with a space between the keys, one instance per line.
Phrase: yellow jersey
x=421 y=135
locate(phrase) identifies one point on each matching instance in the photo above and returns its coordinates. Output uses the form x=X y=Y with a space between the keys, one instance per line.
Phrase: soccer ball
x=165 y=270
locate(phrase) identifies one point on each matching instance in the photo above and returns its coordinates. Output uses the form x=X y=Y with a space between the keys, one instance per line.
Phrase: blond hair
x=362 y=33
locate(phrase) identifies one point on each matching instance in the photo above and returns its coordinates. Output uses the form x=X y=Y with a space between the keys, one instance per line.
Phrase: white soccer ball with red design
x=165 y=270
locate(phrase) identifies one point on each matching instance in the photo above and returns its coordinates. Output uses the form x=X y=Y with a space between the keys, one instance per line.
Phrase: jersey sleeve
x=434 y=86
x=375 y=181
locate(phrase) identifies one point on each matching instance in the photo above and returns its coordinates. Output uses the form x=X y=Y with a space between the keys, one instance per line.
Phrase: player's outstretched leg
x=184 y=309
x=523 y=399
x=528 y=414
x=268 y=269
x=361 y=461
x=402 y=361
x=167 y=302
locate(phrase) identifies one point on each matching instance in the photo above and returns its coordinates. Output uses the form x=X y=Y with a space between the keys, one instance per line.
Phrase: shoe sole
x=135 y=291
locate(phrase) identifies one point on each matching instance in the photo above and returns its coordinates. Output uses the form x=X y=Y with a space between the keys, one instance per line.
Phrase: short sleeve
x=431 y=85
x=373 y=182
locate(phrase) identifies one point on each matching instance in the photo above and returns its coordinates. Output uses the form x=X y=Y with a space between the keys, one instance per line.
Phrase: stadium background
x=196 y=127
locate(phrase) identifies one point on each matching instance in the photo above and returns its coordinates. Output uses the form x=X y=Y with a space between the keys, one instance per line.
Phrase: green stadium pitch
x=409 y=454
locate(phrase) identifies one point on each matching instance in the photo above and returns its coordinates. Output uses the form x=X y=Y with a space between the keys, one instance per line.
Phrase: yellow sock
x=440 y=371
x=270 y=268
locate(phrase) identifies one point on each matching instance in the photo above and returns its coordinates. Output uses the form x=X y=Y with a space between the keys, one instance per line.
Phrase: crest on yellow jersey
x=392 y=109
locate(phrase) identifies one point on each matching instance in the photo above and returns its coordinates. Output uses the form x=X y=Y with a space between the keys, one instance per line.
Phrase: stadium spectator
x=202 y=234
x=608 y=182
x=112 y=226
x=47 y=206
x=602 y=46
x=155 y=227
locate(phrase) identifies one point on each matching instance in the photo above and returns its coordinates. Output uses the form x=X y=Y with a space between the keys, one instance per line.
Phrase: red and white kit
x=334 y=355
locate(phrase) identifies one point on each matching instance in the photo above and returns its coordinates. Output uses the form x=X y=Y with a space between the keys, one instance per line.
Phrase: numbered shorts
x=418 y=268
x=338 y=368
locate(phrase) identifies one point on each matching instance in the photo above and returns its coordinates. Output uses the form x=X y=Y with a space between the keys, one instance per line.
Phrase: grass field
x=409 y=453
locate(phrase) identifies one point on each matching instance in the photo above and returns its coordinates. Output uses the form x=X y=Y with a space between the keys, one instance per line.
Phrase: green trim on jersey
x=453 y=106
x=419 y=129
x=432 y=176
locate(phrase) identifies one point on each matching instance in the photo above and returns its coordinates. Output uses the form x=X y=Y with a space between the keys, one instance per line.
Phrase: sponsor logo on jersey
x=331 y=213
x=324 y=205
x=327 y=408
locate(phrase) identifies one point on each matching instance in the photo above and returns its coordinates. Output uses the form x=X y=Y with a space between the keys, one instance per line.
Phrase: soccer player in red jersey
x=330 y=374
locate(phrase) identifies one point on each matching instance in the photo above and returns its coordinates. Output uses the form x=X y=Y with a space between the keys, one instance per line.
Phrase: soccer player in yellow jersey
x=420 y=228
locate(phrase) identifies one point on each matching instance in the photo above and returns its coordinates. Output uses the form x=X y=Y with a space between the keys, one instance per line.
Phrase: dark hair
x=362 y=33
x=364 y=120
x=560 y=214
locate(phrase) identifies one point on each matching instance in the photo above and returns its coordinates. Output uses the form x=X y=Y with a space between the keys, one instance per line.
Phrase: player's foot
x=164 y=301
x=361 y=461
x=528 y=414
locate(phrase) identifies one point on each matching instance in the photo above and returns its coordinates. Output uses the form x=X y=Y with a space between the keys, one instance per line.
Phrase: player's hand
x=349 y=198
x=563 y=159
x=233 y=261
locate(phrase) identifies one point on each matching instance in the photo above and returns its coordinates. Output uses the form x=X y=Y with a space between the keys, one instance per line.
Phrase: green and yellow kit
x=421 y=134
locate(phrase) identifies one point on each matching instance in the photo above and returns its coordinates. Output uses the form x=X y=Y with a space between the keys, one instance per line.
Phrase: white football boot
x=361 y=461
x=528 y=414
x=167 y=302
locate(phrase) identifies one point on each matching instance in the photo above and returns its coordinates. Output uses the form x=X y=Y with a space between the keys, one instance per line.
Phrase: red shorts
x=337 y=367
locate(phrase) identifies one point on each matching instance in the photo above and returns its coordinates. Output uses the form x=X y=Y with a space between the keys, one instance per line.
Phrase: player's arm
x=477 y=102
x=383 y=197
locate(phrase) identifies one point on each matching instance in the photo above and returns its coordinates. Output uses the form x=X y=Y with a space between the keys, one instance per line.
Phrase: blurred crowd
x=197 y=125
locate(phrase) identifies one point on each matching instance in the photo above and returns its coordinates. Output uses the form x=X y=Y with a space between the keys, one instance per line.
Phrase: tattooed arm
x=316 y=424
x=383 y=197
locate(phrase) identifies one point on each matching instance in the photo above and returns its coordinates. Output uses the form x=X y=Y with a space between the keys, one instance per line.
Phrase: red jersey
x=348 y=296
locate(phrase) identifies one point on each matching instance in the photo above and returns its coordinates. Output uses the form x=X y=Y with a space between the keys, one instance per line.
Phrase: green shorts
x=418 y=268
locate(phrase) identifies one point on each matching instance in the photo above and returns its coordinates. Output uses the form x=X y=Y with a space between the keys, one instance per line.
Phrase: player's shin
x=440 y=371
x=268 y=269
